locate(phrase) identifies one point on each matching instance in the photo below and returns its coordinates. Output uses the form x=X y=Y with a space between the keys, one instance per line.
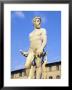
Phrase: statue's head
x=37 y=22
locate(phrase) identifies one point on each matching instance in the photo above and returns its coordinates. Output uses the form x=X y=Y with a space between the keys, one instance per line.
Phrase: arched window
x=20 y=74
x=57 y=67
x=50 y=68
x=12 y=76
x=50 y=77
x=58 y=77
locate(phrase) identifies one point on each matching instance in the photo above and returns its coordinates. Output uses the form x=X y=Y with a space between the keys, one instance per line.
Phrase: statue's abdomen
x=35 y=42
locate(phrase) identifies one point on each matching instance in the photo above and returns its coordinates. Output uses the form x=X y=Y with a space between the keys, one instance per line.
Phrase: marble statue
x=38 y=40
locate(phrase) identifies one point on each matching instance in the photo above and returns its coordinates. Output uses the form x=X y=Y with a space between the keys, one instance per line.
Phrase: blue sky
x=21 y=26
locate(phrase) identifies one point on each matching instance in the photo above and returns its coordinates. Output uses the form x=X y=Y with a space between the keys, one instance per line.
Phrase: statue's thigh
x=29 y=59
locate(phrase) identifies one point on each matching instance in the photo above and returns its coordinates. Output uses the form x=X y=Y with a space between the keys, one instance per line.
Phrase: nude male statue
x=38 y=40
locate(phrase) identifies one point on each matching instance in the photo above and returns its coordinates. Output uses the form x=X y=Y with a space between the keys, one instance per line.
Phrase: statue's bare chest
x=36 y=34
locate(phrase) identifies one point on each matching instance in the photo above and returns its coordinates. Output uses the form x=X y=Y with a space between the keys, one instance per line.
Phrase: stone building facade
x=53 y=71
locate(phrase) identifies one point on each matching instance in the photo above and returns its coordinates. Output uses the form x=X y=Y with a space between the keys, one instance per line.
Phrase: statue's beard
x=37 y=27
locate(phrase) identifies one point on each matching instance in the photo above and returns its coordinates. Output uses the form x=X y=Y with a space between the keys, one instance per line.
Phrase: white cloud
x=20 y=14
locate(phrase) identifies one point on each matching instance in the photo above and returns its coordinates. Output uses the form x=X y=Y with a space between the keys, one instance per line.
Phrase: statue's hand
x=39 y=51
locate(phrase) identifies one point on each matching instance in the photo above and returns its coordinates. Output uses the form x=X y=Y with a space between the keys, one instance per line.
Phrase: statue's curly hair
x=37 y=17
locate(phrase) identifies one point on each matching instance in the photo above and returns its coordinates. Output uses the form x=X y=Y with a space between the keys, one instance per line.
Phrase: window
x=50 y=68
x=24 y=72
x=12 y=76
x=57 y=67
x=57 y=77
x=20 y=74
x=50 y=77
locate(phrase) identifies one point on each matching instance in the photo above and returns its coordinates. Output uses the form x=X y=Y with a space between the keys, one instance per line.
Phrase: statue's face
x=37 y=23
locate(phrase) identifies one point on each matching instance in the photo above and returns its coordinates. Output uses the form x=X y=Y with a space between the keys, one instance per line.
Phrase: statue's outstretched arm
x=24 y=53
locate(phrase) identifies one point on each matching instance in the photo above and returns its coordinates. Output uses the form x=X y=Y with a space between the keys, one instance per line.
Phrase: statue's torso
x=36 y=39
